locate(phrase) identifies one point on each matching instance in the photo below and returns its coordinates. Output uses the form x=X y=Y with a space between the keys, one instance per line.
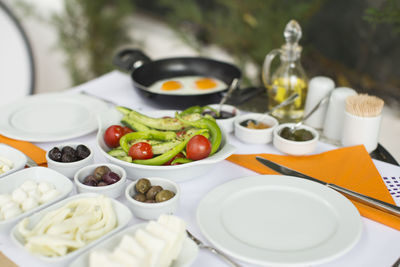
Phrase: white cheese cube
x=44 y=187
x=29 y=185
x=35 y=194
x=4 y=199
x=29 y=204
x=19 y=195
x=11 y=212
x=171 y=239
x=49 y=195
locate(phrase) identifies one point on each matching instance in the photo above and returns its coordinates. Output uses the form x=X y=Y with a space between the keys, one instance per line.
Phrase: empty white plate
x=50 y=117
x=279 y=220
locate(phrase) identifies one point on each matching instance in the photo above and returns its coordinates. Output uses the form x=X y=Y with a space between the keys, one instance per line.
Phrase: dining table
x=379 y=244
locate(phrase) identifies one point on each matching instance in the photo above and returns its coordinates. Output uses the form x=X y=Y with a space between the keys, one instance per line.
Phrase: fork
x=213 y=250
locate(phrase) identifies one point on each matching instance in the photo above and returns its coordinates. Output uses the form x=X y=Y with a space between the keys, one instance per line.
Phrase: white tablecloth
x=379 y=244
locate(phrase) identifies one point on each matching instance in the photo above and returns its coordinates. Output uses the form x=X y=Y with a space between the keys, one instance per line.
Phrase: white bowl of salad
x=175 y=152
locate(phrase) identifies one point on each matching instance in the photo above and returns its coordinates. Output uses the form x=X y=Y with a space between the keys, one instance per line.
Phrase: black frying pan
x=145 y=72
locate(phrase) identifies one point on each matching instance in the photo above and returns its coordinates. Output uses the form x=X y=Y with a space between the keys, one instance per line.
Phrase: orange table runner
x=349 y=167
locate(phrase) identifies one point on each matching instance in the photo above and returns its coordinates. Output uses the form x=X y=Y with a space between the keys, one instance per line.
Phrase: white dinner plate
x=50 y=117
x=185 y=259
x=279 y=220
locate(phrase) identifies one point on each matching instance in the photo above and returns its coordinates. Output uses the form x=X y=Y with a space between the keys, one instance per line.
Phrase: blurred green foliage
x=90 y=32
x=388 y=13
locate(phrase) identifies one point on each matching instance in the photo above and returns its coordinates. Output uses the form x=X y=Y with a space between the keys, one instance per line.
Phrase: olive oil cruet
x=288 y=78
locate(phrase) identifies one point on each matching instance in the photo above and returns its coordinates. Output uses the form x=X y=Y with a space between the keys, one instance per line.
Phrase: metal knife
x=372 y=202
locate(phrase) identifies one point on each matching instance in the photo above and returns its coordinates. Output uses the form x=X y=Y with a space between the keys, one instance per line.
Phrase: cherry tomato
x=198 y=147
x=127 y=130
x=179 y=155
x=113 y=134
x=141 y=150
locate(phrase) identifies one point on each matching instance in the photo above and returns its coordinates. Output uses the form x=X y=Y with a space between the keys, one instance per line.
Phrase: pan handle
x=130 y=59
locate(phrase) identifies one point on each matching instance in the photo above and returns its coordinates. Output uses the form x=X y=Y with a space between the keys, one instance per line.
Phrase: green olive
x=164 y=195
x=150 y=201
x=100 y=171
x=140 y=197
x=153 y=191
x=142 y=185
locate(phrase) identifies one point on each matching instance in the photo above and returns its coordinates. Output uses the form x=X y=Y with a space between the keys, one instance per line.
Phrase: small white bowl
x=69 y=168
x=226 y=124
x=37 y=174
x=296 y=148
x=17 y=157
x=151 y=211
x=255 y=136
x=112 y=190
x=121 y=212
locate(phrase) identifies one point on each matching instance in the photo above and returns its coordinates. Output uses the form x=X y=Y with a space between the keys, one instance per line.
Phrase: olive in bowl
x=103 y=178
x=297 y=142
x=148 y=198
x=68 y=158
x=226 y=117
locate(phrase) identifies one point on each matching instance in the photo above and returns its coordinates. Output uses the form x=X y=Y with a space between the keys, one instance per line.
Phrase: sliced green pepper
x=150 y=134
x=167 y=156
x=171 y=124
x=134 y=125
x=123 y=110
x=212 y=126
x=181 y=161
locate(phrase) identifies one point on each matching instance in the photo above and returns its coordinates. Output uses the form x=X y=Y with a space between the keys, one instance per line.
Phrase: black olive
x=67 y=157
x=55 y=154
x=82 y=152
x=67 y=150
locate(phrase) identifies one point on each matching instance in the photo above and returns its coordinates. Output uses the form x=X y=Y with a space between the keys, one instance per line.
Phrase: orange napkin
x=6 y=262
x=349 y=167
x=32 y=151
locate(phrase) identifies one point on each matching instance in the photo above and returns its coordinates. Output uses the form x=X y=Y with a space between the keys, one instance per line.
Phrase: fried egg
x=188 y=85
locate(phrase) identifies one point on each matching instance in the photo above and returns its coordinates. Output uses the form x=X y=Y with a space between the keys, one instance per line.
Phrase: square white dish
x=123 y=215
x=37 y=174
x=17 y=157
x=185 y=259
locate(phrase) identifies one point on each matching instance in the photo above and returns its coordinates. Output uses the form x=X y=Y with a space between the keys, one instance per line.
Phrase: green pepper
x=167 y=156
x=123 y=110
x=134 y=125
x=150 y=134
x=171 y=124
x=212 y=126
x=181 y=161
x=198 y=109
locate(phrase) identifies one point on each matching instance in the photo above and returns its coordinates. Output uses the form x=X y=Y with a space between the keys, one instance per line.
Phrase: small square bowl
x=121 y=212
x=37 y=174
x=69 y=168
x=112 y=190
x=226 y=124
x=295 y=148
x=255 y=136
x=15 y=156
x=151 y=211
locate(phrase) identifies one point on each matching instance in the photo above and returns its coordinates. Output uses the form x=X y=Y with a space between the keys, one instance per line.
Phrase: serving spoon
x=286 y=102
x=232 y=88
x=293 y=128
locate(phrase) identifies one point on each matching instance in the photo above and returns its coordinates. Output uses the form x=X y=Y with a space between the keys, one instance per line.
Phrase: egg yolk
x=171 y=85
x=205 y=83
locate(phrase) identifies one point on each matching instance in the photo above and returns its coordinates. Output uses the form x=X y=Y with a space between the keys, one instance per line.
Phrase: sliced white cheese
x=4 y=199
x=29 y=204
x=128 y=243
x=171 y=239
x=101 y=258
x=176 y=225
x=155 y=246
x=127 y=258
